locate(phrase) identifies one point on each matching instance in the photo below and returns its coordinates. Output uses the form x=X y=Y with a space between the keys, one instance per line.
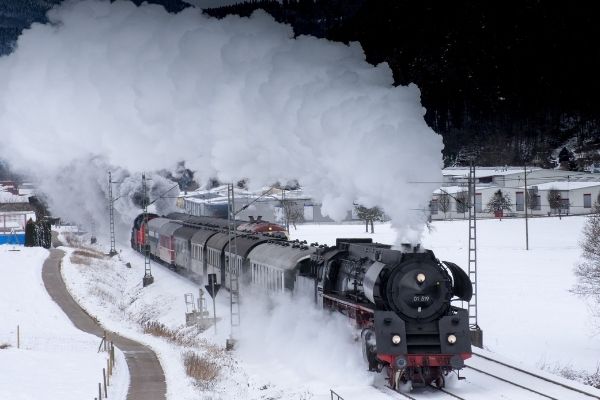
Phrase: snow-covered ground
x=290 y=350
x=54 y=359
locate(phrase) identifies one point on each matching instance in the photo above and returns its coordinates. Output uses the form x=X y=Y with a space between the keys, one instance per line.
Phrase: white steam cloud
x=139 y=89
x=321 y=347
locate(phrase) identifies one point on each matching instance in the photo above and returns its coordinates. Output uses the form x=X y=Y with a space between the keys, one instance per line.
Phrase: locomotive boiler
x=402 y=301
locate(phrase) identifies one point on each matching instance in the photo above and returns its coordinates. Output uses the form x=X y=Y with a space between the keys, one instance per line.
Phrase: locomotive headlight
x=451 y=339
x=421 y=277
x=396 y=339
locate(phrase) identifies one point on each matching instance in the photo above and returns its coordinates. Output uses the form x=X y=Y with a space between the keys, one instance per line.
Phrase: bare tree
x=588 y=270
x=369 y=215
x=533 y=199
x=555 y=201
x=462 y=202
x=294 y=213
x=444 y=203
x=498 y=203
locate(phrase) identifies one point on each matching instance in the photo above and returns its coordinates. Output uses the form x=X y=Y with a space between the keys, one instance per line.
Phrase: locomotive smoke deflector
x=463 y=289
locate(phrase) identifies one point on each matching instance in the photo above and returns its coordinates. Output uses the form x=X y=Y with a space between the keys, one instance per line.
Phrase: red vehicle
x=138 y=237
x=258 y=225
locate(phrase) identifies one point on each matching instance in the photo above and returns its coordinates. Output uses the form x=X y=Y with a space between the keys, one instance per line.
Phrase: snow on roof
x=481 y=172
x=564 y=185
x=452 y=190
x=218 y=195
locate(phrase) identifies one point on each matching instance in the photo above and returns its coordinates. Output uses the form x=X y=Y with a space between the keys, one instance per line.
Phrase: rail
x=569 y=387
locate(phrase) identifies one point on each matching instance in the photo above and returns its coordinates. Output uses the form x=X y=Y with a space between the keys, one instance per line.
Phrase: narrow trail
x=147 y=379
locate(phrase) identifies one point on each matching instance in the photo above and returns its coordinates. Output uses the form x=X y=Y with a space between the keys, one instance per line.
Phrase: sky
x=112 y=86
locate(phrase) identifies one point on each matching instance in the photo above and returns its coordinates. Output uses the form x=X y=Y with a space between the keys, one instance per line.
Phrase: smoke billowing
x=137 y=89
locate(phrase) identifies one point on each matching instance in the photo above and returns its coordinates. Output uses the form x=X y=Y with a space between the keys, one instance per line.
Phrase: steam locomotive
x=400 y=299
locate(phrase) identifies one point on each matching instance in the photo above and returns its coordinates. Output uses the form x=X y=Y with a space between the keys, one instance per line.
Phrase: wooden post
x=18 y=337
x=104 y=376
x=99 y=391
x=112 y=354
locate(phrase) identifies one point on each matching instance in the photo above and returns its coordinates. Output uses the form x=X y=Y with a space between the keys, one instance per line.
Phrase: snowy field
x=290 y=350
x=54 y=360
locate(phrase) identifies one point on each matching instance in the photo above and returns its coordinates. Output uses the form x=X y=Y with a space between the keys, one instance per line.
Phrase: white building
x=266 y=203
x=576 y=197
x=578 y=191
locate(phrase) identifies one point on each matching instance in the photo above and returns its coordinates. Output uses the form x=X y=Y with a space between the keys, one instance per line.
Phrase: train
x=400 y=299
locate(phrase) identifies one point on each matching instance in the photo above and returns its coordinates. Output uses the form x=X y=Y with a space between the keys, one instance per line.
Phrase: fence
x=109 y=348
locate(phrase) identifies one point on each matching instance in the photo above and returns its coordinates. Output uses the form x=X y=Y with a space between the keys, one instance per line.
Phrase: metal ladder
x=475 y=331
x=473 y=248
x=111 y=208
x=234 y=288
x=148 y=279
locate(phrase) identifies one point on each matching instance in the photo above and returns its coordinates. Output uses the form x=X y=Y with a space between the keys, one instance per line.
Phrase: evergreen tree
x=499 y=203
x=30 y=234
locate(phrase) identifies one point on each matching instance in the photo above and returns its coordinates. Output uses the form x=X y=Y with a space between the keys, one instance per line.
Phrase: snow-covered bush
x=568 y=372
x=588 y=270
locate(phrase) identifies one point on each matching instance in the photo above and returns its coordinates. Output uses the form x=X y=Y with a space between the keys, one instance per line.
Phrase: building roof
x=452 y=190
x=481 y=172
x=16 y=207
x=563 y=185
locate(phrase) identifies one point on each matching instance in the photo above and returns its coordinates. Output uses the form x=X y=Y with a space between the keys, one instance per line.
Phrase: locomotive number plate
x=421 y=299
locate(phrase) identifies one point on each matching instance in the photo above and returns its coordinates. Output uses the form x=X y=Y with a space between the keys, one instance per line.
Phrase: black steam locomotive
x=402 y=301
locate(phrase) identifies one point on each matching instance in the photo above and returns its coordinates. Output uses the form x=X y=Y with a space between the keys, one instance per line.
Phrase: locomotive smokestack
x=251 y=217
x=409 y=248
x=259 y=218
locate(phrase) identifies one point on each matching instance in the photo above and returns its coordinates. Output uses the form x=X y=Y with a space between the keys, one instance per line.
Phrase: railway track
x=537 y=385
x=489 y=378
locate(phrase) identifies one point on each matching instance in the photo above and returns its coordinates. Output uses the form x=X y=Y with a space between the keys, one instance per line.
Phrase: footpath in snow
x=53 y=359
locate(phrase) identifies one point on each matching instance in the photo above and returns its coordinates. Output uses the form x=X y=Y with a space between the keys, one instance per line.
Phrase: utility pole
x=285 y=211
x=148 y=278
x=526 y=212
x=476 y=333
x=234 y=289
x=111 y=211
